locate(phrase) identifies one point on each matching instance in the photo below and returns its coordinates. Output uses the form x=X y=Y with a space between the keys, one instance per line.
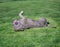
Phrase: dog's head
x=44 y=22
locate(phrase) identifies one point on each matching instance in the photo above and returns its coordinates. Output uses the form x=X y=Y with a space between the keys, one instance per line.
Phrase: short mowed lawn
x=34 y=37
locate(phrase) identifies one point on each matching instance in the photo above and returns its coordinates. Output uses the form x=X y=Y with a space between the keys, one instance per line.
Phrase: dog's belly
x=32 y=23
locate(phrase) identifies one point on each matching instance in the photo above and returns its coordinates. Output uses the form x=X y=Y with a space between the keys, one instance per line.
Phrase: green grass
x=36 y=37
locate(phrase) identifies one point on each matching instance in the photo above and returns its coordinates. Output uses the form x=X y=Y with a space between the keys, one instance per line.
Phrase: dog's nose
x=48 y=23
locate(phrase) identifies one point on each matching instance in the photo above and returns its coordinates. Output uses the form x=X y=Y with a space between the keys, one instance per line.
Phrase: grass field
x=36 y=37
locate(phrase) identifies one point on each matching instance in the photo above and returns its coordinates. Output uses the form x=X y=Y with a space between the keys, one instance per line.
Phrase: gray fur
x=25 y=23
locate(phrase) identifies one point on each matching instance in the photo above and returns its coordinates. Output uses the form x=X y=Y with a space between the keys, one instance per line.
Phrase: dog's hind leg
x=21 y=14
x=23 y=19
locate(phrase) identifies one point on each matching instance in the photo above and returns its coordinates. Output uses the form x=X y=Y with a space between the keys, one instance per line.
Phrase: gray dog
x=26 y=23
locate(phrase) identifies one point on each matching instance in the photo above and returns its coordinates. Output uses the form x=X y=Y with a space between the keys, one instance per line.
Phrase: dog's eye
x=16 y=23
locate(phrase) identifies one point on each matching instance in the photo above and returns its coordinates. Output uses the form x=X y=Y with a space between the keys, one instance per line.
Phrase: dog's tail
x=21 y=14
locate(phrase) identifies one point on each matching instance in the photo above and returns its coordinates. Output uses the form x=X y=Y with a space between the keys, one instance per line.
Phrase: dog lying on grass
x=26 y=23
